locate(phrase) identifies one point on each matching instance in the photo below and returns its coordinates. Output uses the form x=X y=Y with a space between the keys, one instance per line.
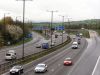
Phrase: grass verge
x=84 y=32
x=25 y=41
x=98 y=31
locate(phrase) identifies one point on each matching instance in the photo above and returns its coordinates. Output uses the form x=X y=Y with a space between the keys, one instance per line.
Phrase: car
x=10 y=55
x=79 y=42
x=74 y=45
x=16 y=70
x=53 y=44
x=56 y=36
x=63 y=32
x=68 y=61
x=45 y=44
x=40 y=68
x=74 y=37
x=38 y=45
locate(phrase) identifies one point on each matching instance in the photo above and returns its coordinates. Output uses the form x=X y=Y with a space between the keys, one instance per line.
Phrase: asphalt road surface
x=29 y=48
x=85 y=65
x=55 y=60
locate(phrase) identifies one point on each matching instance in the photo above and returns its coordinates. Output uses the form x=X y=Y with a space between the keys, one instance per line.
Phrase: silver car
x=40 y=68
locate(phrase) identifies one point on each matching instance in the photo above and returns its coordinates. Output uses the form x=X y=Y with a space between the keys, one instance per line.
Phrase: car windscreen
x=67 y=59
x=40 y=66
x=16 y=67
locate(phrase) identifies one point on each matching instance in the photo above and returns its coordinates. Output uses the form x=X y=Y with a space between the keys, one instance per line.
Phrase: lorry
x=45 y=45
x=10 y=55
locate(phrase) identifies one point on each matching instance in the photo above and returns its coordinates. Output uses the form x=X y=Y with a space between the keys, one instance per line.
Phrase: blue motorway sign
x=59 y=28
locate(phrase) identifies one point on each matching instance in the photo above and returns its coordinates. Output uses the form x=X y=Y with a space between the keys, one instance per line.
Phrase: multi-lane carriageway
x=86 y=59
x=29 y=48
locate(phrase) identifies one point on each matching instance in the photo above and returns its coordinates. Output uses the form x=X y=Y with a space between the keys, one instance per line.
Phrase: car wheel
x=21 y=70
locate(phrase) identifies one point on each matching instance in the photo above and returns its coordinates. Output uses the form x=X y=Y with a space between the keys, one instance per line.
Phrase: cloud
x=37 y=9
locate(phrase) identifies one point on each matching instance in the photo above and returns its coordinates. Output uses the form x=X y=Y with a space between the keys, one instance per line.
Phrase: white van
x=75 y=45
x=10 y=55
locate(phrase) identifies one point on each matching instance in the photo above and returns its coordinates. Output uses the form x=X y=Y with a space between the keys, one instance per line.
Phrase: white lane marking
x=77 y=62
x=96 y=65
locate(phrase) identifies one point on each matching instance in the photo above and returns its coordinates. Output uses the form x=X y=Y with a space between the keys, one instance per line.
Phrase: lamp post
x=69 y=23
x=52 y=13
x=5 y=26
x=17 y=19
x=23 y=24
x=5 y=19
x=62 y=25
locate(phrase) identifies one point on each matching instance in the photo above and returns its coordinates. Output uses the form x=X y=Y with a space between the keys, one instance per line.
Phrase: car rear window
x=8 y=54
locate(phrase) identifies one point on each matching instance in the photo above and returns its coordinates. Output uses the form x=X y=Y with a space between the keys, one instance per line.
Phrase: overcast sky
x=36 y=10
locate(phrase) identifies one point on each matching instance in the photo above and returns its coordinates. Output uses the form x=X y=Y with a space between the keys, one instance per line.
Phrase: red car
x=68 y=61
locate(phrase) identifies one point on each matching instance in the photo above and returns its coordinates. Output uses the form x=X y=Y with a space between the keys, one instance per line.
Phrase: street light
x=69 y=23
x=4 y=18
x=62 y=25
x=5 y=26
x=51 y=23
x=17 y=19
x=23 y=23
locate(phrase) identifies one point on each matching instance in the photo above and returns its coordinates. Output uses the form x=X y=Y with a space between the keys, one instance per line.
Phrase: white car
x=10 y=55
x=53 y=44
x=16 y=70
x=63 y=32
x=40 y=68
x=38 y=45
x=75 y=45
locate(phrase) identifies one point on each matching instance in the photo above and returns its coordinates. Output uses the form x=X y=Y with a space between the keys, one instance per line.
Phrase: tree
x=7 y=20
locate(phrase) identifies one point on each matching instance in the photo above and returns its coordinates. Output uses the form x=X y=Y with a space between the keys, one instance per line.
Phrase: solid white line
x=96 y=65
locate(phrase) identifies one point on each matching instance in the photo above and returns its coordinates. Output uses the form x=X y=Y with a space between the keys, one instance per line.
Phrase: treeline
x=88 y=24
x=12 y=31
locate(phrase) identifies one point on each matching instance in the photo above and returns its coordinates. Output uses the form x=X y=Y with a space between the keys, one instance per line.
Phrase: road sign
x=59 y=28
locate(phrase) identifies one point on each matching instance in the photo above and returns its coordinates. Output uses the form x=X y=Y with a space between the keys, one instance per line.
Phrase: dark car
x=56 y=36
x=79 y=41
x=16 y=70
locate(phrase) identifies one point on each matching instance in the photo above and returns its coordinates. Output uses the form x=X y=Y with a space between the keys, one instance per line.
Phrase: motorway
x=55 y=60
x=18 y=48
x=29 y=48
x=85 y=59
x=85 y=65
